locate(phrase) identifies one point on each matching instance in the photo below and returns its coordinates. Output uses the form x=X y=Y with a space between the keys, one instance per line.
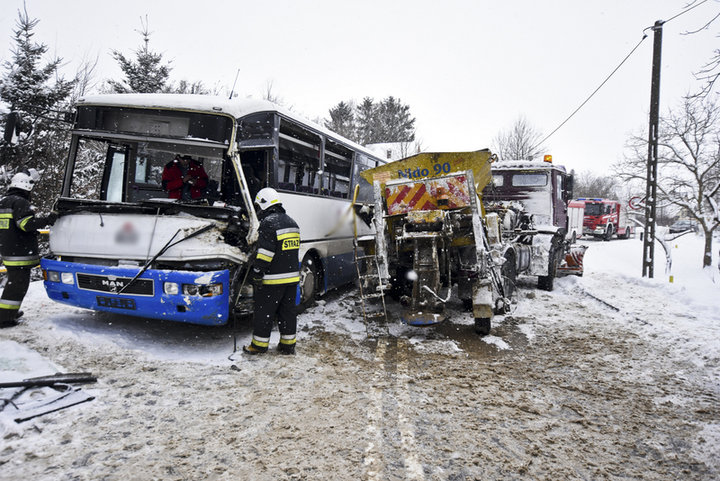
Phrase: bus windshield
x=133 y=170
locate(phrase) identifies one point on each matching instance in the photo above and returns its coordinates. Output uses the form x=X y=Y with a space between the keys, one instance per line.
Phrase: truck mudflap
x=572 y=264
x=182 y=296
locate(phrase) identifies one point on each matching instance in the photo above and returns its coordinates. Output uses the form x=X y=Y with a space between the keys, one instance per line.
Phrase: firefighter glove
x=256 y=277
x=51 y=218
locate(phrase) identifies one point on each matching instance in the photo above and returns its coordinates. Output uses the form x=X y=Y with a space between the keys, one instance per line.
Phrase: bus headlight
x=52 y=276
x=203 y=290
x=67 y=278
x=171 y=288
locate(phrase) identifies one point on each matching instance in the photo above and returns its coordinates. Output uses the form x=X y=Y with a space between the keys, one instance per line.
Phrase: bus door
x=255 y=167
x=113 y=181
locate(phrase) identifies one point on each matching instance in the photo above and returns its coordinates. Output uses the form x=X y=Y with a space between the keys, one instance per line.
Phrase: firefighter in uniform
x=19 y=243
x=275 y=275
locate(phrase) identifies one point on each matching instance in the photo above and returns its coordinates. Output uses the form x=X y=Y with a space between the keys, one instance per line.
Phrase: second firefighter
x=275 y=275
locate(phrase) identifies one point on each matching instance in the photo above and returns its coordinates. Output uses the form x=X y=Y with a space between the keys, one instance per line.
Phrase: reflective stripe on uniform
x=295 y=235
x=288 y=280
x=288 y=339
x=21 y=260
x=265 y=255
x=10 y=305
x=284 y=278
x=283 y=233
x=261 y=341
x=21 y=223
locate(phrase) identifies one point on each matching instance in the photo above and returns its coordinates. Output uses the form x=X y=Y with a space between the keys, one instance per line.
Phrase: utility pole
x=651 y=188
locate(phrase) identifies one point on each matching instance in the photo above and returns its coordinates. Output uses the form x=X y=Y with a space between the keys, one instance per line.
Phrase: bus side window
x=298 y=162
x=338 y=165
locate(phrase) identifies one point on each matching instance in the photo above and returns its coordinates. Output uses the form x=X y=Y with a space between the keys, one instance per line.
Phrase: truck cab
x=544 y=189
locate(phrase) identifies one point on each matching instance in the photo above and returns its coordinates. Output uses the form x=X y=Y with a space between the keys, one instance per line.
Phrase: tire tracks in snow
x=387 y=414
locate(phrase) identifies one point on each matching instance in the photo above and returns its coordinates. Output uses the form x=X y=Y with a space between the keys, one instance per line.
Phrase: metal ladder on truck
x=370 y=274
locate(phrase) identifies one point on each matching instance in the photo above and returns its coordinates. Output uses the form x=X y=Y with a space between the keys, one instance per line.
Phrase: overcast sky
x=467 y=68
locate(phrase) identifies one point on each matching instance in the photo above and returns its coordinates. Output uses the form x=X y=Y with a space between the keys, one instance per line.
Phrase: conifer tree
x=395 y=122
x=144 y=74
x=342 y=120
x=373 y=122
x=366 y=121
x=35 y=96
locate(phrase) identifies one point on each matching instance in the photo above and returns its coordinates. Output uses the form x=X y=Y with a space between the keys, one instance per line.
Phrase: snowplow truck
x=432 y=232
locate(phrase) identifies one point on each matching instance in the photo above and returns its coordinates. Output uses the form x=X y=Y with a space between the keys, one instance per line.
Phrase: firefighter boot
x=286 y=345
x=255 y=348
x=8 y=319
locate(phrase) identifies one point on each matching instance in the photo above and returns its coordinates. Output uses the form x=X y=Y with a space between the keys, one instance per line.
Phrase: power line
x=592 y=94
x=684 y=12
x=613 y=73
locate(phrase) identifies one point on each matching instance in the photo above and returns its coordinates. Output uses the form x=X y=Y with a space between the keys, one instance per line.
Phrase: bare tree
x=269 y=95
x=710 y=72
x=688 y=162
x=588 y=184
x=519 y=142
x=85 y=78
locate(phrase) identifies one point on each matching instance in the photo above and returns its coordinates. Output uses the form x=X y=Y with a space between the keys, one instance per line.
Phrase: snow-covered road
x=607 y=377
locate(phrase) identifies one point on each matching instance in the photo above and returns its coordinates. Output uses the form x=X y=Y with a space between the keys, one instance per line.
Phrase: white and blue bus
x=121 y=245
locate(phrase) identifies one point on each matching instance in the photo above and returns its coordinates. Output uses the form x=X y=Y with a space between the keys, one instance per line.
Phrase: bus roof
x=210 y=104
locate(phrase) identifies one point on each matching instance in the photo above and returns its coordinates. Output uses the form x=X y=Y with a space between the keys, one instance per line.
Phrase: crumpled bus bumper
x=152 y=296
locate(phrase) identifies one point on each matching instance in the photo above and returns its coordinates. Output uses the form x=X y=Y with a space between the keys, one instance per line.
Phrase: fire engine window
x=529 y=180
x=498 y=180
x=593 y=209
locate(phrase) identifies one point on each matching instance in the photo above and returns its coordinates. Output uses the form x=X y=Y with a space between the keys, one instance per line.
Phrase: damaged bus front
x=120 y=244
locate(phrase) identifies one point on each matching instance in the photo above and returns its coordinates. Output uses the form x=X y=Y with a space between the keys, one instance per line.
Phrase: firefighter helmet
x=267 y=197
x=25 y=180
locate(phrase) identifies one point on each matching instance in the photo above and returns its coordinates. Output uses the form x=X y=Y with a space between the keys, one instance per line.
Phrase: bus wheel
x=309 y=282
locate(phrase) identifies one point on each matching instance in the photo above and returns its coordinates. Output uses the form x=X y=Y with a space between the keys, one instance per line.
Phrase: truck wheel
x=509 y=275
x=609 y=232
x=546 y=283
x=309 y=282
x=482 y=326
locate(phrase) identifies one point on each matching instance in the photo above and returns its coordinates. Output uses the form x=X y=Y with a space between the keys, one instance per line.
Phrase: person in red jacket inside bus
x=184 y=178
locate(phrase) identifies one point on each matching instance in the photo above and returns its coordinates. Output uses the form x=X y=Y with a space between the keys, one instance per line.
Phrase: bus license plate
x=116 y=302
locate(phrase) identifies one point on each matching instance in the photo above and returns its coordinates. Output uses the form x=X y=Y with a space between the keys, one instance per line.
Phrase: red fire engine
x=605 y=218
